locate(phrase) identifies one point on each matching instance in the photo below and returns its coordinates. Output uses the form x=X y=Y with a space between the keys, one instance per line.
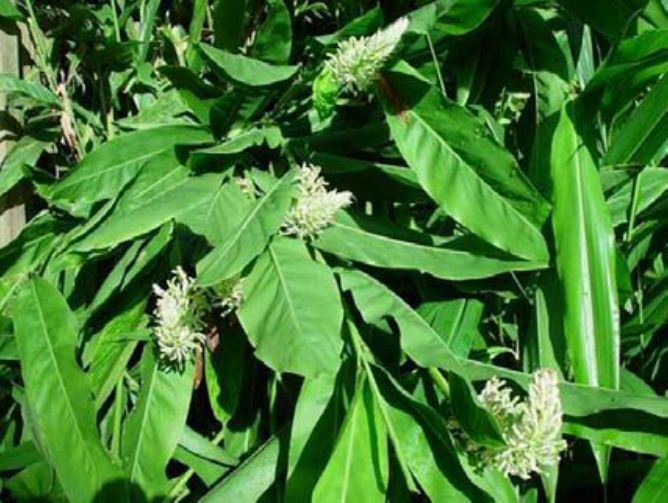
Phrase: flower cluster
x=178 y=318
x=531 y=428
x=315 y=206
x=357 y=61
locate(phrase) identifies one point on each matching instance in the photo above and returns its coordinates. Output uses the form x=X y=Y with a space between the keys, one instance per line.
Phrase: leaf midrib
x=61 y=382
x=469 y=169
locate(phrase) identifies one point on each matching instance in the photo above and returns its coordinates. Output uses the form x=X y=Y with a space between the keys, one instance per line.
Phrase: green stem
x=119 y=406
x=117 y=30
x=438 y=67
x=440 y=381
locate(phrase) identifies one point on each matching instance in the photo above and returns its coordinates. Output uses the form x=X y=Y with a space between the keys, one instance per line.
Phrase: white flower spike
x=231 y=294
x=315 y=206
x=178 y=318
x=531 y=429
x=357 y=61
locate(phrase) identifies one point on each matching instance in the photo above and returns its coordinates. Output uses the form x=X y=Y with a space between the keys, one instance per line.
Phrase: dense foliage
x=293 y=250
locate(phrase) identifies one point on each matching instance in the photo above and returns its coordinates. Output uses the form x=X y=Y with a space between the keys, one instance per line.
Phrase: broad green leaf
x=152 y=211
x=9 y=11
x=357 y=469
x=639 y=434
x=103 y=172
x=419 y=341
x=369 y=241
x=111 y=349
x=372 y=181
x=25 y=152
x=58 y=392
x=586 y=263
x=292 y=312
x=611 y=18
x=650 y=184
x=247 y=240
x=634 y=63
x=152 y=431
x=312 y=436
x=19 y=457
x=642 y=137
x=228 y=23
x=237 y=144
x=224 y=371
x=654 y=487
x=474 y=419
x=220 y=216
x=456 y=321
x=11 y=84
x=31 y=247
x=273 y=40
x=250 y=479
x=472 y=178
x=585 y=259
x=464 y=16
x=244 y=70
x=426 y=444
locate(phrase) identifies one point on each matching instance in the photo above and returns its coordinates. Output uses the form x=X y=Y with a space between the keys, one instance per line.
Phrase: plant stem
x=119 y=406
x=438 y=68
x=440 y=381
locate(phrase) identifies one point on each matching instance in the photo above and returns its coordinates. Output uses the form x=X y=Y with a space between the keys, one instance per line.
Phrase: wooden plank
x=12 y=205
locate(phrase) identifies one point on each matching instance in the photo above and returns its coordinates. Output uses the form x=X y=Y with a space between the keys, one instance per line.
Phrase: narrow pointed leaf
x=58 y=392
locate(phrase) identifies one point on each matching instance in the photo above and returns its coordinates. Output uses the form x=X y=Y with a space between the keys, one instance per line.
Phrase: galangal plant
x=294 y=250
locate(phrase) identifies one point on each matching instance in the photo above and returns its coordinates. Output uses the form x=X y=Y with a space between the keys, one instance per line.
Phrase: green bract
x=334 y=251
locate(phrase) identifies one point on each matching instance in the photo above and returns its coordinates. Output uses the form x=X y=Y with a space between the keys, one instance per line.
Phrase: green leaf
x=369 y=241
x=152 y=210
x=11 y=84
x=25 y=152
x=31 y=247
x=426 y=444
x=585 y=258
x=642 y=138
x=247 y=240
x=9 y=11
x=219 y=218
x=474 y=419
x=228 y=23
x=650 y=184
x=312 y=436
x=477 y=186
x=611 y=18
x=152 y=431
x=357 y=469
x=244 y=70
x=111 y=349
x=654 y=487
x=237 y=144
x=250 y=479
x=293 y=302
x=273 y=40
x=58 y=392
x=419 y=341
x=103 y=173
